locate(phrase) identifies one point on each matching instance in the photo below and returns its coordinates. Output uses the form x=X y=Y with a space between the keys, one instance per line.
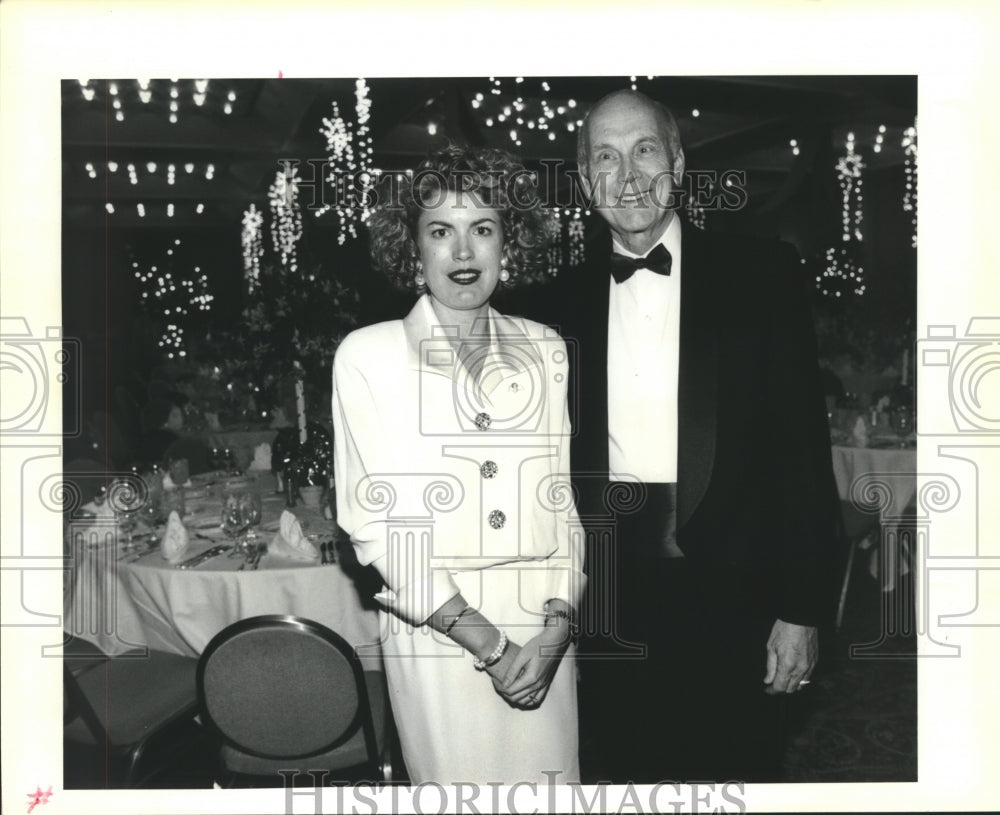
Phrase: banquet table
x=120 y=599
x=241 y=443
x=885 y=463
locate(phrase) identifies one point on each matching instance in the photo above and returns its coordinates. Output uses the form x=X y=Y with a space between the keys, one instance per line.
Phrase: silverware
x=259 y=552
x=154 y=546
x=253 y=558
x=208 y=554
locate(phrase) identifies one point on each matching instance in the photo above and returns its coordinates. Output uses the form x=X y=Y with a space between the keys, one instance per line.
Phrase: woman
x=163 y=442
x=451 y=459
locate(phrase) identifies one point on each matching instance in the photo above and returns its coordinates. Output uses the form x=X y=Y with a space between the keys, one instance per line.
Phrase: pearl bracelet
x=494 y=658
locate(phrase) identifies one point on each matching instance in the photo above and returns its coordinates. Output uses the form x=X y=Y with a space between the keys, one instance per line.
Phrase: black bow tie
x=658 y=261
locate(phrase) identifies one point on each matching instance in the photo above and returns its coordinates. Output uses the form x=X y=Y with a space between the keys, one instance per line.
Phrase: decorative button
x=497 y=519
x=489 y=469
x=483 y=421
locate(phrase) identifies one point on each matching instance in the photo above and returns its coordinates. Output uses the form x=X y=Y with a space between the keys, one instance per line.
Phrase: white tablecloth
x=893 y=466
x=861 y=473
x=120 y=605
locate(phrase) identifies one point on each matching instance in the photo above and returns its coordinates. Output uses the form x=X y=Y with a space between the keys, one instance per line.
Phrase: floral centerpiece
x=308 y=463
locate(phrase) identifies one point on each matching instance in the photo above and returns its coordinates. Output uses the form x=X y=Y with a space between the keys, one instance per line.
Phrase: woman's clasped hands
x=524 y=673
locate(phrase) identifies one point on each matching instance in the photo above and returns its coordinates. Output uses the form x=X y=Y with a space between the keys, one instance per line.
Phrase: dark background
x=743 y=123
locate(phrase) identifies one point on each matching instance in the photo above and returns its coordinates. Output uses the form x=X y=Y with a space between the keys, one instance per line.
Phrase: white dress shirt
x=644 y=320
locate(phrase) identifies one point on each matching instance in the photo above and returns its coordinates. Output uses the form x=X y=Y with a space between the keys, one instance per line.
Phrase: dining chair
x=121 y=705
x=286 y=693
x=856 y=526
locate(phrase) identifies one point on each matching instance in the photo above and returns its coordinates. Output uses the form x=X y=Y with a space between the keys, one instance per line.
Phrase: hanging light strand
x=286 y=216
x=575 y=232
x=842 y=273
x=253 y=246
x=349 y=160
x=362 y=109
x=909 y=145
x=555 y=254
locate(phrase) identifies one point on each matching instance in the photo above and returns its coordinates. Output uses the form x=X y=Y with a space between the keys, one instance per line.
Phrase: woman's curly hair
x=496 y=178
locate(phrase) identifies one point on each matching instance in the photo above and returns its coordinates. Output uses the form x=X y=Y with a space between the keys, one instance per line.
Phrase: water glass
x=241 y=511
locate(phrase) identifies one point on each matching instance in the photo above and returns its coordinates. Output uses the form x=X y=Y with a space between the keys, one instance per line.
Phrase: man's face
x=630 y=170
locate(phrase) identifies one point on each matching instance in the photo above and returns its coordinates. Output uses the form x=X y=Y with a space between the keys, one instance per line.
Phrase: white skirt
x=453 y=725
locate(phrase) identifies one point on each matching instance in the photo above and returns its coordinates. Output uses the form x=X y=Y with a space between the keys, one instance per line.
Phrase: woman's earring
x=418 y=277
x=504 y=274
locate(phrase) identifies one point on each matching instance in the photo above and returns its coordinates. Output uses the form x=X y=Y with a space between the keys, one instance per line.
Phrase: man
x=700 y=439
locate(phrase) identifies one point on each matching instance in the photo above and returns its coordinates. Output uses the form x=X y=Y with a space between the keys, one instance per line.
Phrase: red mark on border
x=281 y=74
x=38 y=797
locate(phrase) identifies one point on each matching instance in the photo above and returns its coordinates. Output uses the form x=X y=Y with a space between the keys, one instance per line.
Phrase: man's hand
x=792 y=652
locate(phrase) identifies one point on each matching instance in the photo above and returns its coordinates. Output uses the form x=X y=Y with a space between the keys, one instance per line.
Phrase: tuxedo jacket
x=755 y=486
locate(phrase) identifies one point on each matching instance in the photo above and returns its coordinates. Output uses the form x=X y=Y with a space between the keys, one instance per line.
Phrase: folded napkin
x=168 y=482
x=101 y=510
x=859 y=435
x=289 y=540
x=175 y=539
x=261 y=457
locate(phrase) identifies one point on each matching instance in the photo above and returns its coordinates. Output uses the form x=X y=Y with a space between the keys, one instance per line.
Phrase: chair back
x=279 y=686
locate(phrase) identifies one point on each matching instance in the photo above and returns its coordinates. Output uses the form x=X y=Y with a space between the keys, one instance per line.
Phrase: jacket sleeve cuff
x=416 y=602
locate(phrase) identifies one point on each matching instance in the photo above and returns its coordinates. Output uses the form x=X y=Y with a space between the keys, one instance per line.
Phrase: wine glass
x=126 y=500
x=901 y=420
x=253 y=515
x=236 y=517
x=241 y=511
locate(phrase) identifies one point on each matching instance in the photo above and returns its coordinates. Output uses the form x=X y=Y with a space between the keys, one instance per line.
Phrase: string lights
x=842 y=272
x=555 y=253
x=849 y=168
x=879 y=138
x=170 y=96
x=253 y=245
x=152 y=168
x=568 y=246
x=173 y=340
x=518 y=114
x=574 y=230
x=172 y=296
x=286 y=215
x=909 y=144
x=696 y=212
x=349 y=159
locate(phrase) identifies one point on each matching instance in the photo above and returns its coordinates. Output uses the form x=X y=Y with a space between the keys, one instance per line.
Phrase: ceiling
x=242 y=128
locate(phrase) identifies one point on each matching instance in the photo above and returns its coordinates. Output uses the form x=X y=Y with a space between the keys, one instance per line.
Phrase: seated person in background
x=162 y=442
